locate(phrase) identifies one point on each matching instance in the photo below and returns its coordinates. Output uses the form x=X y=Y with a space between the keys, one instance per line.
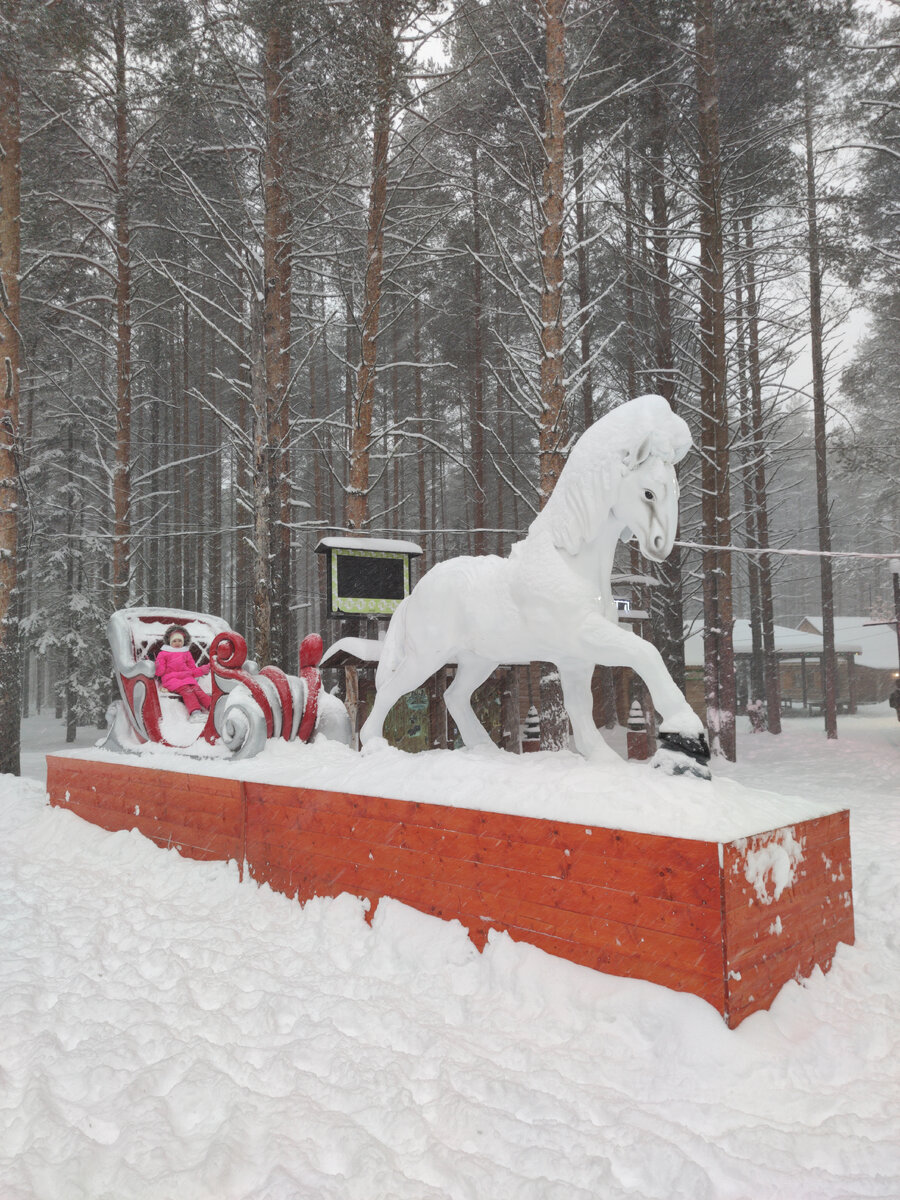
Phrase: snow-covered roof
x=644 y=580
x=377 y=545
x=787 y=641
x=877 y=643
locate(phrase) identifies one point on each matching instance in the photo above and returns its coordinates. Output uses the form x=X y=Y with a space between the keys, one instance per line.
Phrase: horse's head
x=648 y=502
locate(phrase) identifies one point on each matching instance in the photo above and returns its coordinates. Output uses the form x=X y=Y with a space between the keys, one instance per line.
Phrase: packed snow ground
x=168 y=1033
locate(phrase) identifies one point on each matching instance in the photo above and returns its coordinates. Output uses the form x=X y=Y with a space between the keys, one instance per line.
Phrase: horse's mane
x=600 y=459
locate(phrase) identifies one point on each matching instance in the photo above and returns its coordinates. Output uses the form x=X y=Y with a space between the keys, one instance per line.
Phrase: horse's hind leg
x=408 y=676
x=471 y=672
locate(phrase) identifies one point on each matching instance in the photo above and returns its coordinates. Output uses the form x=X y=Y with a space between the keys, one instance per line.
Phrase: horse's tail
x=393 y=649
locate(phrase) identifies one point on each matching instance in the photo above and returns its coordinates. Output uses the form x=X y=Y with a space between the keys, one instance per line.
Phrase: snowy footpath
x=168 y=1033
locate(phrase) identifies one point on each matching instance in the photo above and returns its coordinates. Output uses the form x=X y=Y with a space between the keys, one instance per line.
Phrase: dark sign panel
x=366 y=578
x=367 y=582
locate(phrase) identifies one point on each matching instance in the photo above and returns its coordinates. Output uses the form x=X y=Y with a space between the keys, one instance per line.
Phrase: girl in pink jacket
x=177 y=671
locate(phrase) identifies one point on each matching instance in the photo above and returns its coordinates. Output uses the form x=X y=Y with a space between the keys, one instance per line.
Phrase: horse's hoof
x=484 y=749
x=682 y=754
x=374 y=746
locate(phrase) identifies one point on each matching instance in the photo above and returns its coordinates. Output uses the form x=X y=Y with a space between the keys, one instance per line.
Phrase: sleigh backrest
x=136 y=634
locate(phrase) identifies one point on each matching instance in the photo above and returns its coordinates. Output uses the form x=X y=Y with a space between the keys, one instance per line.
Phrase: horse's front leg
x=575 y=679
x=614 y=646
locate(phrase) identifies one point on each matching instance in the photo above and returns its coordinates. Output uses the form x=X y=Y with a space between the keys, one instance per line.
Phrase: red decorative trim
x=280 y=680
x=311 y=650
x=226 y=655
x=150 y=713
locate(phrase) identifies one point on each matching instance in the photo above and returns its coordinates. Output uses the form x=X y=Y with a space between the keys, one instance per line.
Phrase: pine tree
x=10 y=383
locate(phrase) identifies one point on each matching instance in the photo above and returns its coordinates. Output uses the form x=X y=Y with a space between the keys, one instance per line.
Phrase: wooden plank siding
x=680 y=912
x=200 y=816
x=770 y=942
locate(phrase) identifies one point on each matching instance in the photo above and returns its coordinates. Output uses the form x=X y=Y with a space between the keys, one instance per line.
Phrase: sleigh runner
x=248 y=705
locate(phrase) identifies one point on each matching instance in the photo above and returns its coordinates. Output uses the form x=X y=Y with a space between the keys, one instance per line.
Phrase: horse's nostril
x=658 y=542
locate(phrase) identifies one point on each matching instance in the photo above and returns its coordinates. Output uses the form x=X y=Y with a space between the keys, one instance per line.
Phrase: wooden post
x=509 y=711
x=351 y=684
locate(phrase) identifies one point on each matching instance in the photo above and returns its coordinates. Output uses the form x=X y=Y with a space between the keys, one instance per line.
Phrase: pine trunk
x=261 y=474
x=396 y=521
x=420 y=421
x=328 y=434
x=716 y=517
x=71 y=631
x=816 y=331
x=174 y=544
x=318 y=489
x=761 y=492
x=756 y=688
x=122 y=468
x=201 y=538
x=244 y=591
x=216 y=560
x=361 y=427
x=553 y=424
x=669 y=596
x=477 y=406
x=277 y=251
x=186 y=470
x=630 y=286
x=10 y=359
x=584 y=294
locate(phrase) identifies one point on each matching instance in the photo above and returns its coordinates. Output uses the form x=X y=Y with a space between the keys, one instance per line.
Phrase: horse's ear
x=644 y=450
x=634 y=458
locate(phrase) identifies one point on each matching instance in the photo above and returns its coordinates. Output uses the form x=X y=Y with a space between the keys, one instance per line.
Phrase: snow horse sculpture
x=248 y=706
x=551 y=599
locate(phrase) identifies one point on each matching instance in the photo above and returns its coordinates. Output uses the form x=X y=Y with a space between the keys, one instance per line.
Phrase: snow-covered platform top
x=558 y=786
x=376 y=545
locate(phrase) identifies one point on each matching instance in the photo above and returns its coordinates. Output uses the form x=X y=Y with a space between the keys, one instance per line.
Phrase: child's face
x=176 y=641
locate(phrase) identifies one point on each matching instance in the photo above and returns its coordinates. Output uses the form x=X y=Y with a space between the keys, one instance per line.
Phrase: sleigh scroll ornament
x=551 y=599
x=248 y=706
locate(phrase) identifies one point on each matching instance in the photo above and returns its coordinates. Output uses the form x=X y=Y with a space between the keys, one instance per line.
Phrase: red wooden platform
x=696 y=916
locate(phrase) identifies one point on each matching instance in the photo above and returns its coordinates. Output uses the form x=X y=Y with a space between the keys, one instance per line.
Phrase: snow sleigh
x=249 y=705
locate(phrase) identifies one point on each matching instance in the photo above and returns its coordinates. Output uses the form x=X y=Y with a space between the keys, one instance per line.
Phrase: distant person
x=894 y=699
x=179 y=673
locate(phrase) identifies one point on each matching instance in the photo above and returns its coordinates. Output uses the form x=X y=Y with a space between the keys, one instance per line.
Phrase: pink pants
x=194 y=697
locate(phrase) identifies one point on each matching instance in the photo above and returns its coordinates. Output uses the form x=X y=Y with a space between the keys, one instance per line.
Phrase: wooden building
x=876 y=665
x=799 y=656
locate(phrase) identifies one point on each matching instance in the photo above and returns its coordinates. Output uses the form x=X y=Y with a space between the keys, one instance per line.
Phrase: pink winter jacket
x=176 y=668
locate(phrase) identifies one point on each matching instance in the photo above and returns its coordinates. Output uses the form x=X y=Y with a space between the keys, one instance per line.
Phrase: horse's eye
x=648 y=495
